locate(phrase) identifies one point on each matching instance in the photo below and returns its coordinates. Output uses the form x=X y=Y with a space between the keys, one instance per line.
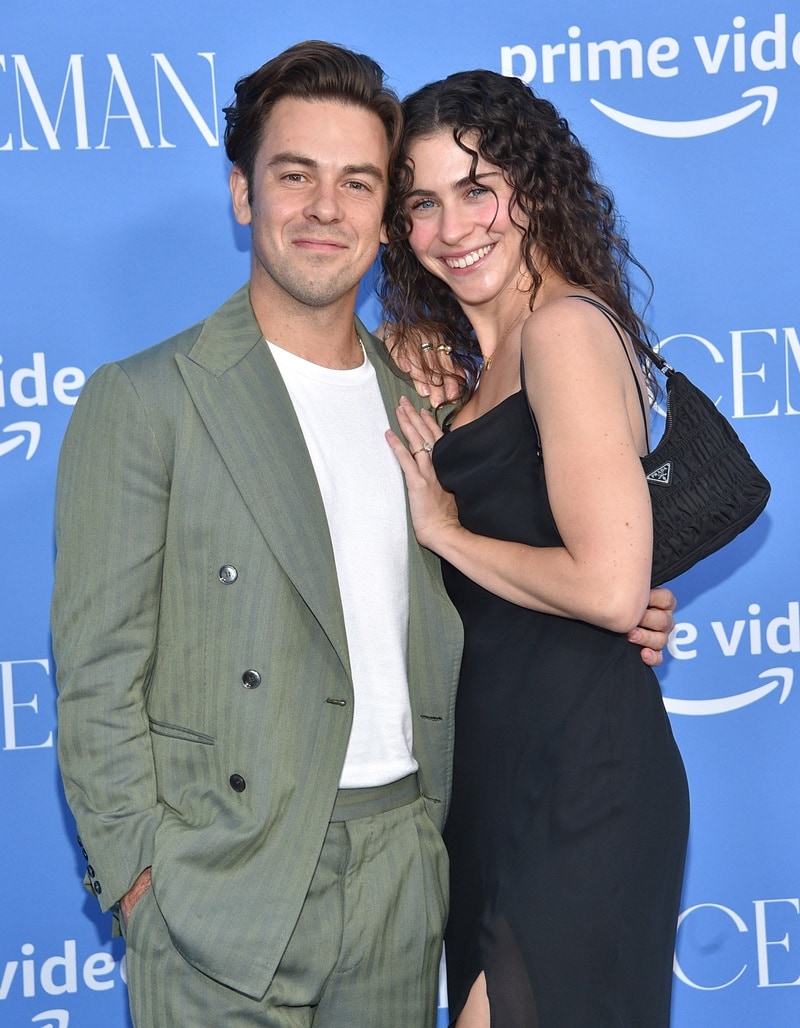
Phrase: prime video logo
x=764 y=50
x=779 y=635
x=33 y=387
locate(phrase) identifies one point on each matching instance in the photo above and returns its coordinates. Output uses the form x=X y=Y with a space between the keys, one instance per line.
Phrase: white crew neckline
x=331 y=376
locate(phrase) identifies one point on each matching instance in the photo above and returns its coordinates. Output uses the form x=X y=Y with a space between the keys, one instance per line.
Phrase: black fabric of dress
x=569 y=818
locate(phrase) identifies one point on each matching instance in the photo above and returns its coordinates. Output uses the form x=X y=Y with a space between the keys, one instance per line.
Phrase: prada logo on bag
x=662 y=475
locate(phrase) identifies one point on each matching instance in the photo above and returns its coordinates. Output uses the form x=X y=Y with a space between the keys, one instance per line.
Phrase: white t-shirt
x=343 y=419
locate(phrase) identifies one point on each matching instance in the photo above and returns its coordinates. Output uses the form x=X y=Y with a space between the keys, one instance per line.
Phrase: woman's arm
x=580 y=385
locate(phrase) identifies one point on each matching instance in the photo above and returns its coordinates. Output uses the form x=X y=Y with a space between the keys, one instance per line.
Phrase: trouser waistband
x=354 y=803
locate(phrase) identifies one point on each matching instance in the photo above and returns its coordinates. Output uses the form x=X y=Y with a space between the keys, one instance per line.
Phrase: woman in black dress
x=568 y=824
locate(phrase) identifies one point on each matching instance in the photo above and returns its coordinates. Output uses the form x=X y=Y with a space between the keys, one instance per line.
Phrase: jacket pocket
x=179 y=732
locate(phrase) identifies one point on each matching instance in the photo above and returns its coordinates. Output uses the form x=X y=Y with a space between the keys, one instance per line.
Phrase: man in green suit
x=256 y=661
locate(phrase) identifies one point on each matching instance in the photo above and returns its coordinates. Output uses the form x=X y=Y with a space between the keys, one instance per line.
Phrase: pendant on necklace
x=487 y=361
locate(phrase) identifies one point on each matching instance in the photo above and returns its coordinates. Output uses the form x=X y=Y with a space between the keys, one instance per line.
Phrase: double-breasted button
x=228 y=574
x=251 y=679
x=98 y=888
x=90 y=869
x=237 y=783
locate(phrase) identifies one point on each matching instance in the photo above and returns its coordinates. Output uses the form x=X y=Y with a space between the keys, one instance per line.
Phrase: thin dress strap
x=528 y=405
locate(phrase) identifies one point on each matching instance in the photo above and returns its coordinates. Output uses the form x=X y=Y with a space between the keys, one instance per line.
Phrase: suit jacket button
x=228 y=574
x=98 y=888
x=238 y=784
x=251 y=679
x=90 y=870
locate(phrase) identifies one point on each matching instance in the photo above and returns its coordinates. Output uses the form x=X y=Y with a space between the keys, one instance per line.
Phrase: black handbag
x=704 y=486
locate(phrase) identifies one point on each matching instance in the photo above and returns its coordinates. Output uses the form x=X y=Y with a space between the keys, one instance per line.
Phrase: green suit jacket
x=205 y=694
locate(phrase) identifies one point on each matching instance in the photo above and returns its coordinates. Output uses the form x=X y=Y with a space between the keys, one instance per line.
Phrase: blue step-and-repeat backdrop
x=115 y=231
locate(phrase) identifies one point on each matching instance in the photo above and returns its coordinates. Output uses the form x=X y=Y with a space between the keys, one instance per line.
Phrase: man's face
x=316 y=202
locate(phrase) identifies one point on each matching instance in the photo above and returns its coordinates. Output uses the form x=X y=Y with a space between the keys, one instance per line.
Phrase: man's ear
x=240 y=195
x=384 y=236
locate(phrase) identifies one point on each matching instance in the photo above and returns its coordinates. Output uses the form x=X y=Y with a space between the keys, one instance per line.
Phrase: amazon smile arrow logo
x=54 y=1018
x=767 y=97
x=782 y=677
x=33 y=430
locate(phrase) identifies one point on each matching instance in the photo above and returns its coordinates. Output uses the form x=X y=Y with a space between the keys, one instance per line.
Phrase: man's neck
x=323 y=335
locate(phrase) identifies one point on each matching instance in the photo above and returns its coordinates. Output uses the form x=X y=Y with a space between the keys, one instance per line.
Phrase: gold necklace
x=487 y=361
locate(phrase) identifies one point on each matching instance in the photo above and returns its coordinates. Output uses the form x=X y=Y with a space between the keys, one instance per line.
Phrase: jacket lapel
x=240 y=396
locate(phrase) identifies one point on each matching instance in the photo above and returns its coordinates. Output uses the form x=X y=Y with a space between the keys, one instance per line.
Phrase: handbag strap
x=656 y=358
x=659 y=361
x=663 y=366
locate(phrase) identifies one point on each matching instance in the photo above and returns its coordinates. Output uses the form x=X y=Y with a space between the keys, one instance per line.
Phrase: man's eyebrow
x=280 y=159
x=291 y=158
x=365 y=169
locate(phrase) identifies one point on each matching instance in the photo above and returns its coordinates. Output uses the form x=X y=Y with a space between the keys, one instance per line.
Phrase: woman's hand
x=656 y=624
x=433 y=511
x=429 y=367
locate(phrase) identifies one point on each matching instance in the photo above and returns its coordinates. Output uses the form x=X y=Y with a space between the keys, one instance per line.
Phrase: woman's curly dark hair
x=568 y=216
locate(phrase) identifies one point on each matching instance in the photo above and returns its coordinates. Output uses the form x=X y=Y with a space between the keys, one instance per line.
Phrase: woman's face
x=460 y=231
